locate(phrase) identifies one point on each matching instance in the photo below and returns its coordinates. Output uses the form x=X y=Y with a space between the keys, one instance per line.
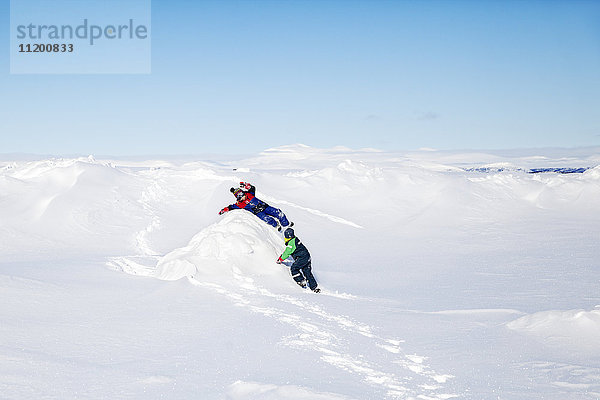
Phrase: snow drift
x=68 y=206
x=438 y=251
x=256 y=391
x=571 y=329
x=240 y=246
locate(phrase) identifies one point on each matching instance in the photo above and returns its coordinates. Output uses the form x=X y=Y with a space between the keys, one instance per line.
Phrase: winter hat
x=289 y=233
x=238 y=193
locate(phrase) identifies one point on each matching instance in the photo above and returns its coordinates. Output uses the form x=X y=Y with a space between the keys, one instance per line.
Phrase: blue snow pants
x=301 y=270
x=271 y=214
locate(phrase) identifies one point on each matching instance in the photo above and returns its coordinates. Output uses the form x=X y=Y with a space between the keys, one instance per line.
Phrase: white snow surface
x=571 y=329
x=444 y=275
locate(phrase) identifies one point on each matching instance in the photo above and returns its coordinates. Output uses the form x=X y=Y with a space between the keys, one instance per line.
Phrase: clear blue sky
x=242 y=76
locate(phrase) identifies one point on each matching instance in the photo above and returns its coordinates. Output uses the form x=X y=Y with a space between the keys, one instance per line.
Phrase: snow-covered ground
x=444 y=275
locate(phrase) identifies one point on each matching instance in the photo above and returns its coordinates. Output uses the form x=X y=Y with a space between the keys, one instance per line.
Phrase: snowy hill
x=445 y=275
x=239 y=247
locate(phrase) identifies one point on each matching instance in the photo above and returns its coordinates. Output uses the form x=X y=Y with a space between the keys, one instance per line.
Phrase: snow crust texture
x=570 y=329
x=444 y=275
x=238 y=246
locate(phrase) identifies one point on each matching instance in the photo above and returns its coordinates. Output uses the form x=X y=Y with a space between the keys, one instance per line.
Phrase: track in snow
x=340 y=340
x=334 y=337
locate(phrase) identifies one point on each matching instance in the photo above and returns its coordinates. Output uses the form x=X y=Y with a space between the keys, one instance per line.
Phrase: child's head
x=288 y=234
x=238 y=193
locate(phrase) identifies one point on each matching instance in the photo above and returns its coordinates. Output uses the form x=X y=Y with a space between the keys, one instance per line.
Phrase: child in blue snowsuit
x=246 y=200
x=301 y=268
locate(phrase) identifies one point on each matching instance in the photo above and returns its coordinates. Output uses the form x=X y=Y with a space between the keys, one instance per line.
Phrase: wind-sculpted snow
x=255 y=391
x=235 y=258
x=238 y=245
x=441 y=275
x=578 y=330
x=68 y=205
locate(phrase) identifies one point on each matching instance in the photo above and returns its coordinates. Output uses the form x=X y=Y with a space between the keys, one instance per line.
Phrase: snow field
x=439 y=281
x=235 y=258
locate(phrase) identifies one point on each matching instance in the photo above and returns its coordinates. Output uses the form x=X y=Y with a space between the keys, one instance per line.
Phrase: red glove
x=223 y=211
x=245 y=185
x=279 y=260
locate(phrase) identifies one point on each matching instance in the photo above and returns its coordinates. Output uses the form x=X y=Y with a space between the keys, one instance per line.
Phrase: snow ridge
x=490 y=277
x=235 y=257
x=330 y=217
x=326 y=334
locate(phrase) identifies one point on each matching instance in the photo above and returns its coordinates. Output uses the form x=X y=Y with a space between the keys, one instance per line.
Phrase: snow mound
x=578 y=329
x=256 y=391
x=240 y=245
x=69 y=204
x=593 y=173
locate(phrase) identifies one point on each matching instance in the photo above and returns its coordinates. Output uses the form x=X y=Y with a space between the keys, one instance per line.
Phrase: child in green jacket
x=301 y=268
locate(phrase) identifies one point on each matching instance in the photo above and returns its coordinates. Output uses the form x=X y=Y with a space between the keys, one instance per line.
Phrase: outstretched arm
x=228 y=208
x=289 y=249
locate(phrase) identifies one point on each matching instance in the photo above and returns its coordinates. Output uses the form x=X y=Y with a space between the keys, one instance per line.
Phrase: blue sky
x=242 y=76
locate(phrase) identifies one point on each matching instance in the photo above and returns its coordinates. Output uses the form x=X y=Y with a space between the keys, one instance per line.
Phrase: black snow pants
x=302 y=271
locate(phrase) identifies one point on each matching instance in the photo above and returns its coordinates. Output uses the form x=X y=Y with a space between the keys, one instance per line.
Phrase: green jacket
x=296 y=249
